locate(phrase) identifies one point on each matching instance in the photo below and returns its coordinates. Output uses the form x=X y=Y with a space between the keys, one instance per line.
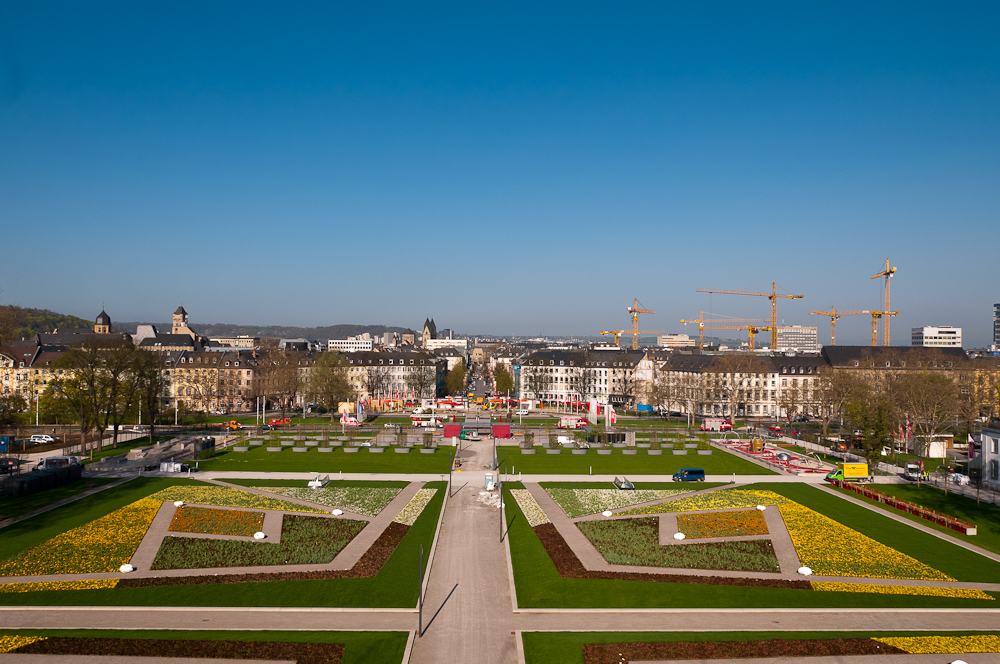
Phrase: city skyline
x=521 y=171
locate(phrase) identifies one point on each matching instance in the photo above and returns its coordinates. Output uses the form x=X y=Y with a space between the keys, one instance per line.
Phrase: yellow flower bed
x=833 y=549
x=920 y=645
x=103 y=545
x=88 y=584
x=715 y=500
x=227 y=497
x=961 y=593
x=8 y=643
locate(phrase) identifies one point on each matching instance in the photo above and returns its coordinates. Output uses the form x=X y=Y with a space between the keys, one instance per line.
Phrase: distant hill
x=30 y=322
x=276 y=331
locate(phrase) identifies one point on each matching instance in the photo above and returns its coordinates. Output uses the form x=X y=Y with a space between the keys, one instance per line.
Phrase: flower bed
x=88 y=584
x=614 y=653
x=409 y=514
x=532 y=511
x=911 y=508
x=916 y=645
x=722 y=524
x=228 y=497
x=569 y=566
x=12 y=643
x=216 y=522
x=726 y=499
x=368 y=501
x=885 y=589
x=636 y=542
x=833 y=549
x=302 y=653
x=102 y=545
x=578 y=502
x=304 y=540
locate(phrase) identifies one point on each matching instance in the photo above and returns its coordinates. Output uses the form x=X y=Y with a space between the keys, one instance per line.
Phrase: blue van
x=690 y=475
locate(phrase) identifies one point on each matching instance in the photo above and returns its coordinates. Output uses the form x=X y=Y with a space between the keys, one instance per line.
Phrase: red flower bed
x=569 y=566
x=910 y=508
x=367 y=566
x=303 y=653
x=615 y=653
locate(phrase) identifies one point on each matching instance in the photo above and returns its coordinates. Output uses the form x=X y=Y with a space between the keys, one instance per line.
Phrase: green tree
x=152 y=383
x=12 y=408
x=454 y=383
x=327 y=384
x=874 y=418
x=505 y=383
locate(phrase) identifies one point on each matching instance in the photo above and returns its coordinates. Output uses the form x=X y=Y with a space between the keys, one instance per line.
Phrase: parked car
x=41 y=439
x=690 y=475
x=521 y=413
x=958 y=478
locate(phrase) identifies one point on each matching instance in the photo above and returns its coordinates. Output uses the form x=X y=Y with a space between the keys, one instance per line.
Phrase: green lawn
x=567 y=647
x=313 y=461
x=394 y=586
x=334 y=483
x=540 y=586
x=11 y=506
x=360 y=647
x=985 y=516
x=123 y=448
x=718 y=463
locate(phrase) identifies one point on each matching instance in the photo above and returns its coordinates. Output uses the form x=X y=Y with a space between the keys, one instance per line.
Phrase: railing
x=910 y=508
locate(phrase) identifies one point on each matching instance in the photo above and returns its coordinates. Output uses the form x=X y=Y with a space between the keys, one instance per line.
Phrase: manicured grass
x=694 y=486
x=719 y=463
x=360 y=647
x=362 y=461
x=11 y=506
x=394 y=586
x=540 y=586
x=375 y=484
x=949 y=558
x=985 y=516
x=123 y=448
x=567 y=647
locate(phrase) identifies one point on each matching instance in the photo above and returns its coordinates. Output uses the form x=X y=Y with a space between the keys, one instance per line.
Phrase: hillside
x=30 y=322
x=276 y=331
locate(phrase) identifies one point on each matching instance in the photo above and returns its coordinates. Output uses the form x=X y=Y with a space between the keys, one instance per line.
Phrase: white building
x=991 y=456
x=674 y=341
x=797 y=338
x=431 y=344
x=350 y=344
x=936 y=336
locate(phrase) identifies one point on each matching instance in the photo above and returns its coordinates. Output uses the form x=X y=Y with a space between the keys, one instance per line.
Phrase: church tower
x=102 y=324
x=180 y=322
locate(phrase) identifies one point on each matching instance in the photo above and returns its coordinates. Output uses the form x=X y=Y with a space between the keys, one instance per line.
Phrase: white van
x=51 y=463
x=41 y=439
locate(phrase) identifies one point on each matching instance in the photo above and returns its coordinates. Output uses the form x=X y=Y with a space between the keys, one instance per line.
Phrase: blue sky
x=515 y=169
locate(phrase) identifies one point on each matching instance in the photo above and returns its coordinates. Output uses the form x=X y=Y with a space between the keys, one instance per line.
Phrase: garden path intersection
x=470 y=610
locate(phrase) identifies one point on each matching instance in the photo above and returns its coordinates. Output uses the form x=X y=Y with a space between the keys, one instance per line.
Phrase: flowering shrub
x=578 y=502
x=880 y=589
x=216 y=522
x=228 y=497
x=89 y=584
x=722 y=524
x=833 y=549
x=532 y=511
x=103 y=545
x=726 y=499
x=916 y=645
x=11 y=643
x=360 y=500
x=409 y=514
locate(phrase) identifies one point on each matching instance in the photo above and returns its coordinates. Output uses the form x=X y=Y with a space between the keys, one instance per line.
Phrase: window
x=995 y=445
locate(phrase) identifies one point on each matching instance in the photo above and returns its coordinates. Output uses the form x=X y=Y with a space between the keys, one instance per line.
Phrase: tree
x=280 y=378
x=87 y=389
x=929 y=400
x=505 y=384
x=537 y=380
x=873 y=417
x=375 y=380
x=665 y=390
x=328 y=384
x=732 y=375
x=119 y=374
x=420 y=379
x=152 y=382
x=454 y=383
x=834 y=390
x=12 y=407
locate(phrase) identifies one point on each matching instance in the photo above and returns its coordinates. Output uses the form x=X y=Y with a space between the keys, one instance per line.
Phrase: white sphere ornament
x=761 y=507
x=337 y=512
x=259 y=535
x=606 y=513
x=178 y=503
x=679 y=536
x=959 y=661
x=805 y=571
x=126 y=568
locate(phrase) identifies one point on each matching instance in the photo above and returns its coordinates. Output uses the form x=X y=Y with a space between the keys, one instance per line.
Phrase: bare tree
x=376 y=380
x=929 y=400
x=420 y=379
x=732 y=374
x=834 y=390
x=152 y=384
x=537 y=380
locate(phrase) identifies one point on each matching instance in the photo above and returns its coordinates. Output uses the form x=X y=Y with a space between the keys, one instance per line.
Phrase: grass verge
x=312 y=461
x=13 y=506
x=718 y=463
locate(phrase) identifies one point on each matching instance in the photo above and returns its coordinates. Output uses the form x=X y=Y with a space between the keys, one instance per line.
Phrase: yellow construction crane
x=634 y=310
x=702 y=321
x=618 y=333
x=772 y=296
x=834 y=315
x=887 y=273
x=751 y=330
x=875 y=316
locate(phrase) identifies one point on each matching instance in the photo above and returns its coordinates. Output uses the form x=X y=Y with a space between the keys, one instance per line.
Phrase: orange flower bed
x=722 y=524
x=216 y=522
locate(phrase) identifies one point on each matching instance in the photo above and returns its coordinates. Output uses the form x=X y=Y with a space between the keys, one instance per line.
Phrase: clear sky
x=521 y=169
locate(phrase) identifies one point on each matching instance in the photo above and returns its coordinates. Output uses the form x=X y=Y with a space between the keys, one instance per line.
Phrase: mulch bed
x=303 y=653
x=369 y=565
x=569 y=566
x=613 y=653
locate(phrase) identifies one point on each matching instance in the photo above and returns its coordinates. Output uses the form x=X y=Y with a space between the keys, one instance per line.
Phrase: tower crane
x=618 y=333
x=634 y=310
x=834 y=315
x=772 y=296
x=702 y=321
x=751 y=330
x=875 y=316
x=887 y=273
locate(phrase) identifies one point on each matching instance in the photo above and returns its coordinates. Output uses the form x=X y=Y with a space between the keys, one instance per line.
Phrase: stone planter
x=680 y=452
x=605 y=452
x=350 y=450
x=618 y=445
x=288 y=443
x=553 y=451
x=336 y=443
x=274 y=449
x=376 y=450
x=241 y=449
x=654 y=452
x=300 y=449
x=402 y=450
x=524 y=446
x=312 y=443
x=630 y=452
x=427 y=450
x=325 y=449
x=643 y=445
x=691 y=446
x=256 y=443
x=705 y=452
x=527 y=450
x=579 y=451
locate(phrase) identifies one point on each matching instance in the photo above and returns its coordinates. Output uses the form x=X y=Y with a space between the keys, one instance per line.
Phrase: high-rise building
x=798 y=338
x=996 y=324
x=675 y=341
x=936 y=336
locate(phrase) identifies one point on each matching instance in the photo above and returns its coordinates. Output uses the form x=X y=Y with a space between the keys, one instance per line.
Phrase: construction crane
x=751 y=330
x=618 y=333
x=887 y=273
x=875 y=316
x=702 y=321
x=634 y=310
x=772 y=296
x=834 y=315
